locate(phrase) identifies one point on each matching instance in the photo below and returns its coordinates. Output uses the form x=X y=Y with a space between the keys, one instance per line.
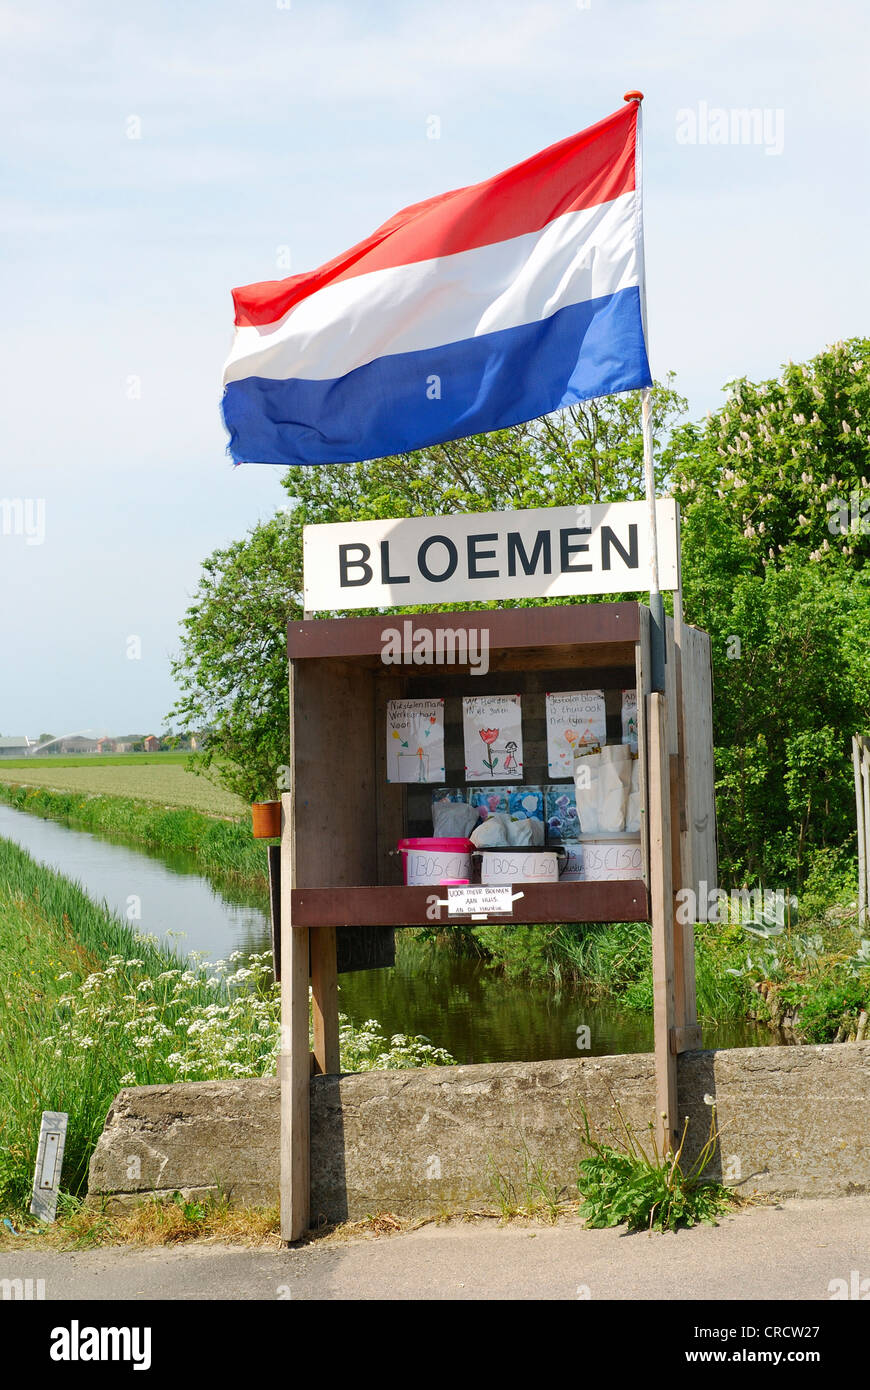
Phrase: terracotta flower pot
x=266 y=819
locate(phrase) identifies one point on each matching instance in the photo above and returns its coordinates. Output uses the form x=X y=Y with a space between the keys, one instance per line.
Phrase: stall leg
x=688 y=1034
x=324 y=991
x=662 y=911
x=294 y=1061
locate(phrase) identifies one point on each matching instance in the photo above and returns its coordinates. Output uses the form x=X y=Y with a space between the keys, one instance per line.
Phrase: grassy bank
x=87 y=1007
x=225 y=848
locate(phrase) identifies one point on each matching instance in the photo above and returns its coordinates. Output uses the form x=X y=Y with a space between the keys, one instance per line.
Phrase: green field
x=95 y=759
x=159 y=778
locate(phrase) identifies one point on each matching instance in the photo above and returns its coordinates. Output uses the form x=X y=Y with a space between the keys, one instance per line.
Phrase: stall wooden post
x=294 y=1061
x=662 y=917
x=324 y=1000
x=687 y=1034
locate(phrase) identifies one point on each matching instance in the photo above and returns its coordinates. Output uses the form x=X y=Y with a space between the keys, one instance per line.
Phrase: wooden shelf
x=610 y=900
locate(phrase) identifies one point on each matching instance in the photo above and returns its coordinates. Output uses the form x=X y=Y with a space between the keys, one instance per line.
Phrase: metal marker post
x=656 y=606
x=49 y=1162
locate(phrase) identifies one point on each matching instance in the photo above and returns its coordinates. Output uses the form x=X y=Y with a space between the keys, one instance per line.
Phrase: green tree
x=775 y=568
x=232 y=669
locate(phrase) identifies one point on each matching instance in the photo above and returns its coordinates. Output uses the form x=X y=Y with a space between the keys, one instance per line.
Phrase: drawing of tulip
x=489 y=737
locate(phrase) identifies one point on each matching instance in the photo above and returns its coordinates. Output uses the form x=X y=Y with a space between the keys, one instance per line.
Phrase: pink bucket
x=431 y=860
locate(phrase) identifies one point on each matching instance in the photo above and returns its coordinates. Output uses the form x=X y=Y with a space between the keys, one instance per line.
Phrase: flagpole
x=656 y=603
x=661 y=825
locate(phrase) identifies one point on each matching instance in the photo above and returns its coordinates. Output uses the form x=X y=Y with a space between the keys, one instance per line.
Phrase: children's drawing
x=629 y=719
x=576 y=724
x=526 y=803
x=563 y=825
x=493 y=738
x=489 y=800
x=415 y=740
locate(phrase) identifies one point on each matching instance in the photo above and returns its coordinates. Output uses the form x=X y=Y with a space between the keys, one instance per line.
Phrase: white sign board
x=546 y=552
x=479 y=900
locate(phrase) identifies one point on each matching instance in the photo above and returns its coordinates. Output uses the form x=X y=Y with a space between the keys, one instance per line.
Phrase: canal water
x=455 y=1001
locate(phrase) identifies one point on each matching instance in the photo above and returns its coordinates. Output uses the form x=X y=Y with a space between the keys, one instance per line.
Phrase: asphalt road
x=791 y=1251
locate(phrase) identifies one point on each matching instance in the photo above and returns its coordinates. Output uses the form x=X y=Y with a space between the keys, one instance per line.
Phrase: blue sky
x=265 y=126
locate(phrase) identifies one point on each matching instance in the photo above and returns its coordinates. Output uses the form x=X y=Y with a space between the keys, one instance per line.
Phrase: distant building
x=152 y=743
x=77 y=743
x=106 y=745
x=125 y=743
x=15 y=746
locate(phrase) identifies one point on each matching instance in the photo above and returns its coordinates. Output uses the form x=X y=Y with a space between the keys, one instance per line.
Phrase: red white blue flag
x=468 y=312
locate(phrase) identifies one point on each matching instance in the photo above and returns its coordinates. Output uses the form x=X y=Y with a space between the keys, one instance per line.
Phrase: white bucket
x=429 y=864
x=605 y=858
x=519 y=866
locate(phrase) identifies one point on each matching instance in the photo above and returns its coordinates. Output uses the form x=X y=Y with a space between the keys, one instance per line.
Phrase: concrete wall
x=794 y=1121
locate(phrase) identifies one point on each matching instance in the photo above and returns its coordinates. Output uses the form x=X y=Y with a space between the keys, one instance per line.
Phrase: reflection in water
x=481 y=1016
x=172 y=899
x=455 y=1001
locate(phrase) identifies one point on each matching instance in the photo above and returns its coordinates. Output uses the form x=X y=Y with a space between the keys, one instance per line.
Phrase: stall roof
x=601 y=625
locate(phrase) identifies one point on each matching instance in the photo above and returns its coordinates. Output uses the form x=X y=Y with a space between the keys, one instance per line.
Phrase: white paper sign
x=493 y=738
x=541 y=552
x=629 y=719
x=575 y=718
x=480 y=900
x=415 y=740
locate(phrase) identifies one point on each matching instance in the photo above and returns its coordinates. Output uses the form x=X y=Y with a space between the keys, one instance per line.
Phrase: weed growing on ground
x=625 y=1181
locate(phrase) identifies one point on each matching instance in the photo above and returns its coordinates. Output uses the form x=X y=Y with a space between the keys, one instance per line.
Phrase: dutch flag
x=468 y=312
